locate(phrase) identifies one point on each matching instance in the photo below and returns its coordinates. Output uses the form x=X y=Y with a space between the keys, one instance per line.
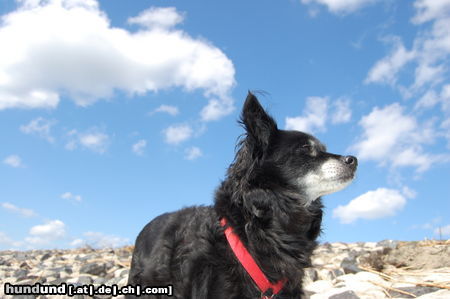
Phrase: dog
x=270 y=205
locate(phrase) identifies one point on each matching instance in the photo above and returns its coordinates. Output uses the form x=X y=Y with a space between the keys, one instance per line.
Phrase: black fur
x=264 y=205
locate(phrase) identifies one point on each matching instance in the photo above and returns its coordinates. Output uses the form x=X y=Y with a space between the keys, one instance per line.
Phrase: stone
x=46 y=256
x=437 y=295
x=350 y=265
x=319 y=286
x=94 y=268
x=416 y=290
x=345 y=295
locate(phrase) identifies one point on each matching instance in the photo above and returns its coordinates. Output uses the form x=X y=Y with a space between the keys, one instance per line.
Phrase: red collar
x=249 y=264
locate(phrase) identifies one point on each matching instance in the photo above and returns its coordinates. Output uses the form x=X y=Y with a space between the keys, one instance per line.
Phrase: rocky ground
x=387 y=269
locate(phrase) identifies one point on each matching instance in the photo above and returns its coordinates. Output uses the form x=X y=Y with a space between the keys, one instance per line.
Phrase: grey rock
x=46 y=256
x=20 y=273
x=417 y=290
x=84 y=280
x=94 y=269
x=350 y=265
x=388 y=244
x=345 y=295
x=310 y=273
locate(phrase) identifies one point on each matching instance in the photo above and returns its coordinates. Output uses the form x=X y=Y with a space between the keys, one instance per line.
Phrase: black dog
x=270 y=199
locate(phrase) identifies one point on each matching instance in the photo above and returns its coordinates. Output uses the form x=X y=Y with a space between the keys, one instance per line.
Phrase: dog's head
x=291 y=162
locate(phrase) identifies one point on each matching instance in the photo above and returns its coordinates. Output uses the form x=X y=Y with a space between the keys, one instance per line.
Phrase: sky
x=113 y=112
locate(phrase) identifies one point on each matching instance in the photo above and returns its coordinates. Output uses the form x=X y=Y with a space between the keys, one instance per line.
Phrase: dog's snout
x=351 y=160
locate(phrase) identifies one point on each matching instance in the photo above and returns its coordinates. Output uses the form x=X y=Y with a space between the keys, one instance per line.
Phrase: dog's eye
x=306 y=147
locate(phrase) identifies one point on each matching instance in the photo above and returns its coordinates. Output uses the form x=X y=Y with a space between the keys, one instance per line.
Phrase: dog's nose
x=351 y=160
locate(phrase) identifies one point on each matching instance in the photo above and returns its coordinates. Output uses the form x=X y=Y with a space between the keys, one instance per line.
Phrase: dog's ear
x=258 y=124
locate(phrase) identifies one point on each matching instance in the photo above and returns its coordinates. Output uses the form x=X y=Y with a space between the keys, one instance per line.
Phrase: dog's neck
x=282 y=238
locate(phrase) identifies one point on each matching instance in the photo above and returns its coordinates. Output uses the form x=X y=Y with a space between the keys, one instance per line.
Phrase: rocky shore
x=387 y=269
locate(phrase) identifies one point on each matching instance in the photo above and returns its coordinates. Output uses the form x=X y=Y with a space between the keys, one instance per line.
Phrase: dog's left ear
x=258 y=124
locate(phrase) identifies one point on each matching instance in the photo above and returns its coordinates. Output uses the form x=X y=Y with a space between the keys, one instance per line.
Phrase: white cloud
x=83 y=56
x=430 y=9
x=428 y=55
x=193 y=153
x=100 y=240
x=21 y=211
x=46 y=233
x=177 y=133
x=139 y=147
x=341 y=6
x=165 y=17
x=446 y=126
x=444 y=230
x=78 y=243
x=217 y=108
x=7 y=242
x=341 y=111
x=386 y=69
x=93 y=139
x=391 y=137
x=40 y=127
x=13 y=161
x=171 y=110
x=428 y=100
x=314 y=116
x=375 y=204
x=70 y=196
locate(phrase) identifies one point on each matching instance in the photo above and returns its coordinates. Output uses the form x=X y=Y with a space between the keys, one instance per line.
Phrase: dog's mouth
x=331 y=177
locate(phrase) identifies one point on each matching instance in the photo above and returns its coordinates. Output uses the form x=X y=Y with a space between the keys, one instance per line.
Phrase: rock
x=319 y=286
x=350 y=265
x=416 y=290
x=94 y=269
x=437 y=295
x=388 y=244
x=46 y=256
x=84 y=279
x=345 y=295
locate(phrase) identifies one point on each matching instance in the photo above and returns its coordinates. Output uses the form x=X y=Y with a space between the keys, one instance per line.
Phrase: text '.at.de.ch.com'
x=89 y=290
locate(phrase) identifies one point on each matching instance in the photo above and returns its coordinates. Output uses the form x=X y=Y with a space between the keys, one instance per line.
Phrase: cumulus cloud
x=7 y=242
x=46 y=233
x=428 y=54
x=430 y=9
x=83 y=56
x=217 y=108
x=40 y=127
x=314 y=117
x=176 y=134
x=13 y=161
x=391 y=137
x=386 y=69
x=193 y=153
x=341 y=111
x=93 y=139
x=21 y=211
x=318 y=112
x=139 y=147
x=171 y=110
x=99 y=240
x=374 y=204
x=164 y=18
x=70 y=196
x=341 y=6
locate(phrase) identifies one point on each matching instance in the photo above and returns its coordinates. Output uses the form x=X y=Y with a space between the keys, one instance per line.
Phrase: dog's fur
x=270 y=197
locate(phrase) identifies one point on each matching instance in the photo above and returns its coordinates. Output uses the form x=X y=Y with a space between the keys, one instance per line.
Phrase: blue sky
x=112 y=112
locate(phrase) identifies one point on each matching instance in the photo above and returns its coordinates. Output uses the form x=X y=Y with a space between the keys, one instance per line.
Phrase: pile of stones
x=387 y=269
